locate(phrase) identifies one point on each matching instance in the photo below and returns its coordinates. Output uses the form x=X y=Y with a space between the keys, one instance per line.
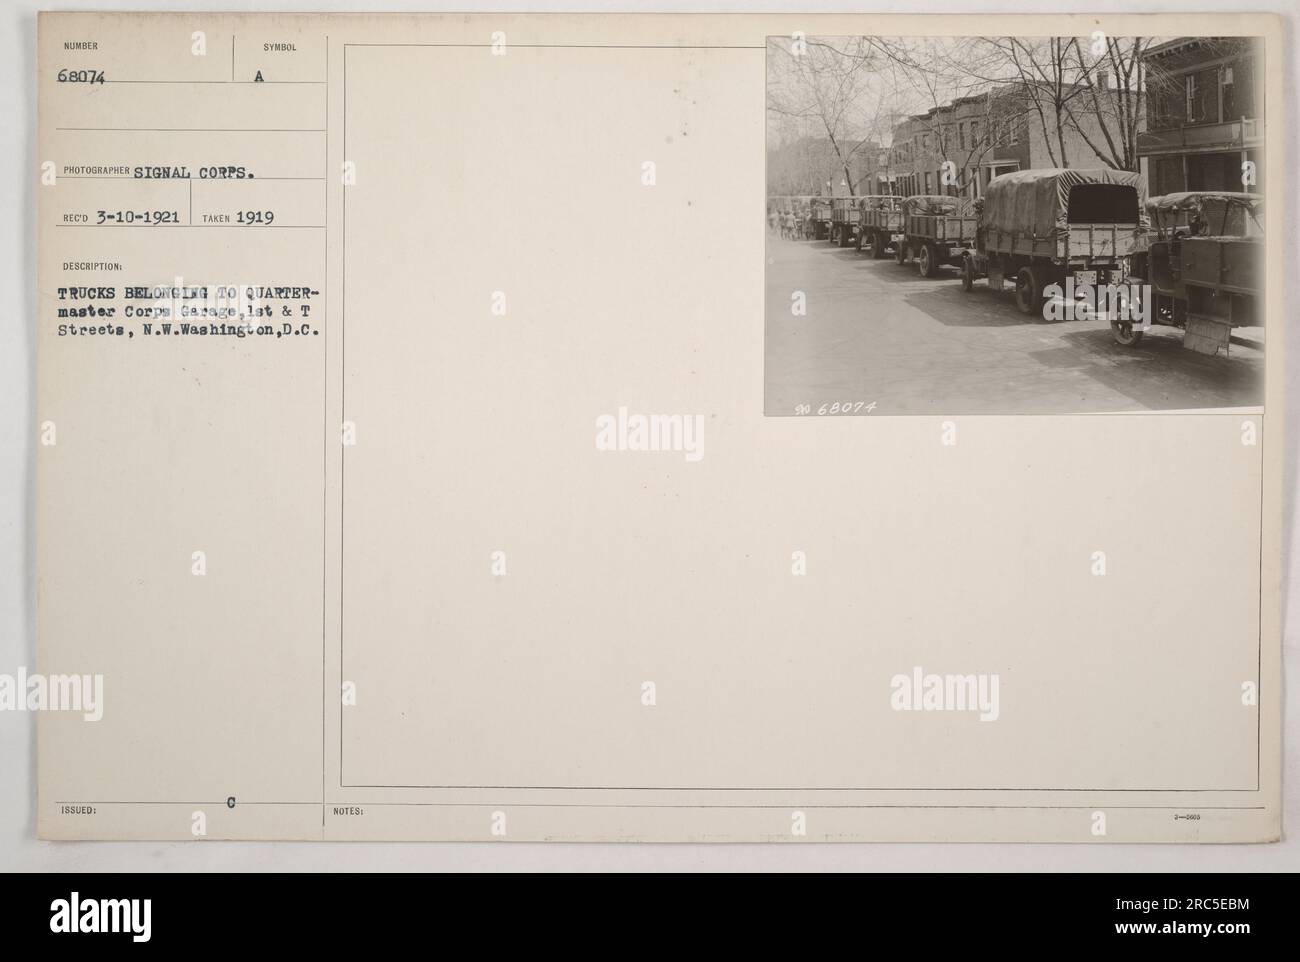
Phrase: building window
x=1168 y=99
x=1203 y=96
x=1237 y=84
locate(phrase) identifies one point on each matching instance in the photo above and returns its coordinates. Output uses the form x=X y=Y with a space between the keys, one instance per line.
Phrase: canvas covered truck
x=881 y=222
x=844 y=220
x=936 y=231
x=1204 y=265
x=1042 y=227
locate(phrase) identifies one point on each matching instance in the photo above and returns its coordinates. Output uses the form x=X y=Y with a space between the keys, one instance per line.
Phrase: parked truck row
x=1197 y=257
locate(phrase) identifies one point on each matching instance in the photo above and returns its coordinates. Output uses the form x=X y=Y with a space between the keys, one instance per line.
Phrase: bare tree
x=1117 y=110
x=1045 y=68
x=1095 y=89
x=825 y=82
x=963 y=106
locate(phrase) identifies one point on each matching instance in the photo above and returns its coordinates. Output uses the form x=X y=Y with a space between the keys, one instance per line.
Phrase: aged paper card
x=659 y=428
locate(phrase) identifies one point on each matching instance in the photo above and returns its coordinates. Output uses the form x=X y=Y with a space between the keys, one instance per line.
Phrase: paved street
x=875 y=331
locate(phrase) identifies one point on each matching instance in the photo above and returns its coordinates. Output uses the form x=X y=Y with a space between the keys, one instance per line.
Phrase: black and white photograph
x=1014 y=225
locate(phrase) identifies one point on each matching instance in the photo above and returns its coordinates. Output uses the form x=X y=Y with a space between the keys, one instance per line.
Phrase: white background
x=19 y=849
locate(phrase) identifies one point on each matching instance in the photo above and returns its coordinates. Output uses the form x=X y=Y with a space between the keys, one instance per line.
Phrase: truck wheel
x=967 y=275
x=844 y=236
x=857 y=242
x=877 y=248
x=900 y=252
x=926 y=261
x=1029 y=292
x=1124 y=334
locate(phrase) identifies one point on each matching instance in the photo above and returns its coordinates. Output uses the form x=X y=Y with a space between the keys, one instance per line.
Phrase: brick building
x=983 y=136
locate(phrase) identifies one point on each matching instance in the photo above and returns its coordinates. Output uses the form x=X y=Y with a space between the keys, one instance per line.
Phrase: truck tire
x=967 y=275
x=1029 y=291
x=900 y=252
x=1124 y=334
x=927 y=261
x=844 y=236
x=857 y=242
x=877 y=246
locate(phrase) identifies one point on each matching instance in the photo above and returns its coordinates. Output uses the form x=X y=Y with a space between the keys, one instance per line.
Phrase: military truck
x=937 y=230
x=881 y=224
x=844 y=221
x=1204 y=264
x=1042 y=227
